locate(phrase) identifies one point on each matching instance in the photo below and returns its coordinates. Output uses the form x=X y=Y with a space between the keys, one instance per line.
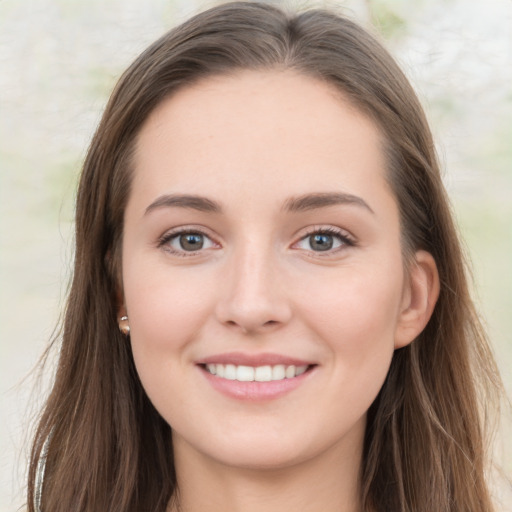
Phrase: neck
x=327 y=483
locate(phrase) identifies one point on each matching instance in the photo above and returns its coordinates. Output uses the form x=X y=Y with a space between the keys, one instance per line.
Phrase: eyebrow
x=193 y=202
x=323 y=199
x=301 y=203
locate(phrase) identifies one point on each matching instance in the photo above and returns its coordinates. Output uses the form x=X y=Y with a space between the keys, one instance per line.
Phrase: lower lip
x=255 y=391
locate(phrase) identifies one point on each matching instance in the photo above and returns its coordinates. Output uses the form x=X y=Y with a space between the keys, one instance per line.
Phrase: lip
x=255 y=391
x=263 y=359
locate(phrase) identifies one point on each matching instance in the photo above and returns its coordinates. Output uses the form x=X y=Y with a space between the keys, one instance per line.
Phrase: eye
x=324 y=240
x=183 y=242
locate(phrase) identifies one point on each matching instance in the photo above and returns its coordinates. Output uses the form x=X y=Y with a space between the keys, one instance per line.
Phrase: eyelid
x=346 y=238
x=163 y=241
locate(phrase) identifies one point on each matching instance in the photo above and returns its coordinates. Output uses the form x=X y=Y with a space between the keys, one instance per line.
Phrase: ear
x=115 y=275
x=120 y=305
x=122 y=315
x=421 y=291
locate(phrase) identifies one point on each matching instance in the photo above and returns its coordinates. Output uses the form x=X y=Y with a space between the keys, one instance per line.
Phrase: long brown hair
x=104 y=445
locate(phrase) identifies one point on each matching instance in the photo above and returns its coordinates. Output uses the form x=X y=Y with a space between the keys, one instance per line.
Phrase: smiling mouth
x=265 y=373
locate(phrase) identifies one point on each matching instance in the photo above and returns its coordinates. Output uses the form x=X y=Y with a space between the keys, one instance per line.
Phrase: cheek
x=165 y=309
x=356 y=311
x=358 y=325
x=165 y=314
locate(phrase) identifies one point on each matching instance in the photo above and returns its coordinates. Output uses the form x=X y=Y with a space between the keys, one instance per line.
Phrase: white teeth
x=230 y=372
x=300 y=370
x=244 y=373
x=263 y=374
x=259 y=373
x=278 y=372
x=290 y=372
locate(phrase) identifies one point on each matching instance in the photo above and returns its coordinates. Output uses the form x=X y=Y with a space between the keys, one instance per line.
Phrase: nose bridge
x=253 y=297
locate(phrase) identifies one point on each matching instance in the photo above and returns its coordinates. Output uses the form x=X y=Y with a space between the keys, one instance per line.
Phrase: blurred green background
x=59 y=60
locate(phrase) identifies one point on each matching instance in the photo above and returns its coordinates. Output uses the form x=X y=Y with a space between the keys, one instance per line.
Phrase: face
x=262 y=269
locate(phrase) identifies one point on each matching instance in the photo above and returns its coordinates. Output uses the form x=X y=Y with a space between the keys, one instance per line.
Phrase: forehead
x=260 y=131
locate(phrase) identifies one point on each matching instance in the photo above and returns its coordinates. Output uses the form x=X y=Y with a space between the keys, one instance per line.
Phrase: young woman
x=269 y=308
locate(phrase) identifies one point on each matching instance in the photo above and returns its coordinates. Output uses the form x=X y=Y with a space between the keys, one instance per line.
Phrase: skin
x=251 y=142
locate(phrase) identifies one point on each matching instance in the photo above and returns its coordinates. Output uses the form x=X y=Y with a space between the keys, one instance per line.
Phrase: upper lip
x=263 y=359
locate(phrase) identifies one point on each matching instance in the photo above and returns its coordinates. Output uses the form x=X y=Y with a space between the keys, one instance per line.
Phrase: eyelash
x=164 y=241
x=345 y=239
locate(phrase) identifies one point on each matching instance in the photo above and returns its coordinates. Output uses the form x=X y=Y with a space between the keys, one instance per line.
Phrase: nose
x=254 y=298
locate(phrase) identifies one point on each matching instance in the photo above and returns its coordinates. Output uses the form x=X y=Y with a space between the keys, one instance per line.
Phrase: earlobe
x=122 y=319
x=122 y=314
x=420 y=298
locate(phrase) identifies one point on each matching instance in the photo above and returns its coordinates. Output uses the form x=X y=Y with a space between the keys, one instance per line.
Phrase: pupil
x=191 y=241
x=321 y=242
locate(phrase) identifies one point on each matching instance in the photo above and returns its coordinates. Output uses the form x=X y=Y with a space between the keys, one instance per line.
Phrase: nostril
x=247 y=326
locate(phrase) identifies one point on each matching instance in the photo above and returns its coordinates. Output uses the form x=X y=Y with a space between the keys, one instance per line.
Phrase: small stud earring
x=124 y=326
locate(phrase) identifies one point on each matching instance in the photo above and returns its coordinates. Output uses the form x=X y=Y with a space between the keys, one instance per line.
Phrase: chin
x=252 y=451
x=257 y=458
